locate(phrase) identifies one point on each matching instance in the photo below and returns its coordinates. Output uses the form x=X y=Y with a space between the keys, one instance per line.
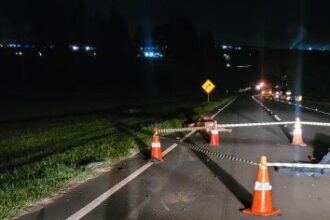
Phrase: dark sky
x=253 y=22
x=280 y=23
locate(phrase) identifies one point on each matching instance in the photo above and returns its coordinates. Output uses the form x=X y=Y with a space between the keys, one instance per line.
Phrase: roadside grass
x=37 y=159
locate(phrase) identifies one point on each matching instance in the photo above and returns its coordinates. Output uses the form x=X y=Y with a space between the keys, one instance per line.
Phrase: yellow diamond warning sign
x=208 y=86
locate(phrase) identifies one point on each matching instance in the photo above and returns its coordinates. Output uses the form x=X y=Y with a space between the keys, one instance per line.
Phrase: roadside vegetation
x=39 y=158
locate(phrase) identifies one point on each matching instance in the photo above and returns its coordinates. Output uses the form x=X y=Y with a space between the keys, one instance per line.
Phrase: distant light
x=244 y=66
x=238 y=48
x=94 y=54
x=224 y=47
x=40 y=54
x=74 y=47
x=27 y=46
x=226 y=56
x=299 y=98
x=152 y=53
x=1 y=45
x=89 y=48
x=228 y=65
x=11 y=45
x=19 y=53
x=310 y=48
x=51 y=46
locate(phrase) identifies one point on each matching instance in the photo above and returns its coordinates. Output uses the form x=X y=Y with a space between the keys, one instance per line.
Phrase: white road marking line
x=267 y=109
x=220 y=110
x=277 y=118
x=305 y=107
x=96 y=202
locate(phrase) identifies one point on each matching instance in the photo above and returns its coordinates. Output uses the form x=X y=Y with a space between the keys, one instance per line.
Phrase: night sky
x=278 y=23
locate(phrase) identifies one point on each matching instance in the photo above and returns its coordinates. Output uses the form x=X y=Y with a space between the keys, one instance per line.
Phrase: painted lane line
x=267 y=109
x=277 y=118
x=99 y=200
x=305 y=107
x=96 y=202
x=220 y=110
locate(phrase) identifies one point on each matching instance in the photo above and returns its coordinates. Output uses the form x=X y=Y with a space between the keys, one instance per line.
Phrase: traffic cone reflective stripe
x=262 y=198
x=297 y=134
x=156 y=151
x=155 y=145
x=215 y=138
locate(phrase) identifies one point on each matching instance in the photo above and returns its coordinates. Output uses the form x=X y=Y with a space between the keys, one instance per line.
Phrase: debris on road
x=296 y=171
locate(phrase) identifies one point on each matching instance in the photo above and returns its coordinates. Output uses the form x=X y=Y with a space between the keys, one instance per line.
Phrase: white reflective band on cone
x=262 y=186
x=214 y=132
x=155 y=145
x=297 y=132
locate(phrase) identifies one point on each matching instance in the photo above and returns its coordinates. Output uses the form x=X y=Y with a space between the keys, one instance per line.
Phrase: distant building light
x=74 y=47
x=51 y=46
x=152 y=53
x=11 y=45
x=19 y=53
x=94 y=54
x=238 y=48
x=1 y=45
x=228 y=65
x=310 y=48
x=224 y=47
x=40 y=54
x=89 y=48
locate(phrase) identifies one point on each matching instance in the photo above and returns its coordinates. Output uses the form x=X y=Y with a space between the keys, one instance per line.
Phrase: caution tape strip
x=325 y=124
x=173 y=130
x=211 y=153
x=241 y=160
x=300 y=165
x=255 y=124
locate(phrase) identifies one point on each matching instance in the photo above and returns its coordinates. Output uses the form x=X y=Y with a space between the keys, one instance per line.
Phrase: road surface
x=189 y=185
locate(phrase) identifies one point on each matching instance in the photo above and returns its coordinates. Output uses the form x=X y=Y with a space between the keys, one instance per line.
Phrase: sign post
x=208 y=87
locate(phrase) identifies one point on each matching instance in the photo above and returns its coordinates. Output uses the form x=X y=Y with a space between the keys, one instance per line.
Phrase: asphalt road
x=189 y=185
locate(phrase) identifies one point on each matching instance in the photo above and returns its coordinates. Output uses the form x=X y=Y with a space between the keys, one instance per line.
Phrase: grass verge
x=37 y=159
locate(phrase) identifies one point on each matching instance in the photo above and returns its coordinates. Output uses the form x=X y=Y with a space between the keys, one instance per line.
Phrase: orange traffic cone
x=215 y=138
x=297 y=134
x=156 y=151
x=262 y=198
